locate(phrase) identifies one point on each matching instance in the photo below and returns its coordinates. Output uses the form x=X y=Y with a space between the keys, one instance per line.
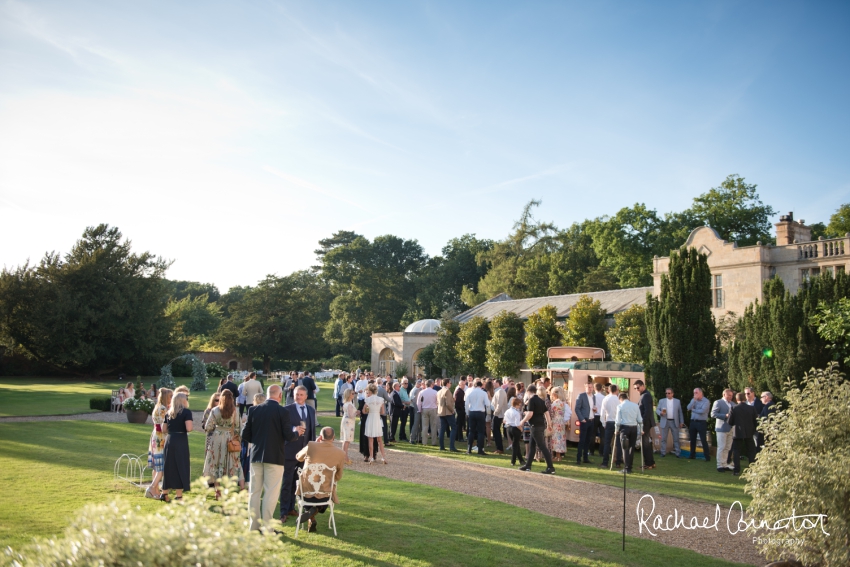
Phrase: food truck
x=573 y=367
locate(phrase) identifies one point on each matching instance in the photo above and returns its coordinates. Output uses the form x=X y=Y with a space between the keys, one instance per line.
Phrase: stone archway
x=199 y=373
x=233 y=365
x=416 y=368
x=386 y=362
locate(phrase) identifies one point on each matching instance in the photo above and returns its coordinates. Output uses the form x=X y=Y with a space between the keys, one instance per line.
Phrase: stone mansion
x=737 y=278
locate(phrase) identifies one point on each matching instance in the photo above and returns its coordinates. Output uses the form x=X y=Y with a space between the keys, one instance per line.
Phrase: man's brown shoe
x=497 y=452
x=283 y=520
x=312 y=525
x=292 y=513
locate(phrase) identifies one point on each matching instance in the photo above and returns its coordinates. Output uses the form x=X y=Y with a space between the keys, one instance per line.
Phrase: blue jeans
x=447 y=424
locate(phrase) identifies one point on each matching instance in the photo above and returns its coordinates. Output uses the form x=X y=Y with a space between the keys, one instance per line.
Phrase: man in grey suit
x=720 y=411
x=584 y=415
x=672 y=420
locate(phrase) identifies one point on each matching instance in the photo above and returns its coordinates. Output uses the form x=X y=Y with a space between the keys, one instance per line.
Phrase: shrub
x=216 y=370
x=189 y=533
x=803 y=468
x=138 y=404
x=102 y=404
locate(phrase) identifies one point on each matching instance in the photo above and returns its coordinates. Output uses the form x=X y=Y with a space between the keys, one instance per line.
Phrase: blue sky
x=232 y=136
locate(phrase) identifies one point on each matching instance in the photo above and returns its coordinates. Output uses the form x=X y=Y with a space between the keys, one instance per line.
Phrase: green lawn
x=51 y=469
x=685 y=478
x=31 y=396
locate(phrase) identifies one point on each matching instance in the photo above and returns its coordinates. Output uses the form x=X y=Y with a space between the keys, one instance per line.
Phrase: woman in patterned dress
x=349 y=413
x=156 y=460
x=221 y=426
x=213 y=403
x=559 y=430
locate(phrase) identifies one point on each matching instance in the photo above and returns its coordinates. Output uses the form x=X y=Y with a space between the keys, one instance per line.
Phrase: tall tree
x=445 y=347
x=529 y=240
x=777 y=338
x=626 y=242
x=680 y=327
x=181 y=289
x=372 y=283
x=586 y=324
x=506 y=347
x=472 y=345
x=734 y=210
x=839 y=222
x=440 y=284
x=282 y=317
x=627 y=338
x=541 y=332
x=197 y=320
x=97 y=310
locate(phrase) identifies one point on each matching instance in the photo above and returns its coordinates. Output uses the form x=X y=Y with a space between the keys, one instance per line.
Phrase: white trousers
x=429 y=419
x=266 y=479
x=724 y=445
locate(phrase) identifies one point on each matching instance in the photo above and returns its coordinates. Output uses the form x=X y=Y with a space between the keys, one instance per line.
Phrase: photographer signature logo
x=735 y=521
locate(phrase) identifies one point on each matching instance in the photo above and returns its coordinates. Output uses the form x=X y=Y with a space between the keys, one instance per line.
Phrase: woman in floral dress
x=221 y=426
x=559 y=431
x=349 y=415
x=156 y=460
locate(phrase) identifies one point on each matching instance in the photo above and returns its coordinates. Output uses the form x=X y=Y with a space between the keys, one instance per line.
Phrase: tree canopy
x=97 y=310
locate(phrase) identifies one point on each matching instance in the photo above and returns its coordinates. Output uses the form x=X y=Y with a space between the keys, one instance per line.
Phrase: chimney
x=789 y=231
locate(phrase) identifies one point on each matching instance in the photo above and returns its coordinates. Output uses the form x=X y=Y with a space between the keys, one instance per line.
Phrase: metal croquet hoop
x=129 y=468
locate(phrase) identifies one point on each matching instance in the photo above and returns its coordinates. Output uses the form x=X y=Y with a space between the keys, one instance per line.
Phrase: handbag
x=234 y=444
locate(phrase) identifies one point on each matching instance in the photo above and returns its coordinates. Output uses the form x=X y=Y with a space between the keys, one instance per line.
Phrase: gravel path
x=587 y=503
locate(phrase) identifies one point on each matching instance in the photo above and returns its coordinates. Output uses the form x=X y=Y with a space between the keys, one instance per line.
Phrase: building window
x=717 y=291
x=772 y=272
x=839 y=269
x=386 y=362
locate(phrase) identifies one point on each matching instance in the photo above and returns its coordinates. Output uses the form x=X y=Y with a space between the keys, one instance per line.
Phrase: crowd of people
x=129 y=391
x=250 y=436
x=532 y=423
x=262 y=440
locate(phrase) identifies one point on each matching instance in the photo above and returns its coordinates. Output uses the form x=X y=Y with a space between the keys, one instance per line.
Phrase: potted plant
x=138 y=410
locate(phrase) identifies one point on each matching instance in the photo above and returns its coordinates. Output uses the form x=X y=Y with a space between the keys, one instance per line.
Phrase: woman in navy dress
x=179 y=423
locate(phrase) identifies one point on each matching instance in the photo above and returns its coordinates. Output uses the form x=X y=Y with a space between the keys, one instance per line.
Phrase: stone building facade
x=391 y=349
x=738 y=274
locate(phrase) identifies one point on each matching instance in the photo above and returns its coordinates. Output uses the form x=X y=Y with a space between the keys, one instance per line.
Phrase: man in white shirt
x=628 y=421
x=598 y=426
x=500 y=406
x=360 y=390
x=513 y=417
x=427 y=404
x=477 y=403
x=608 y=416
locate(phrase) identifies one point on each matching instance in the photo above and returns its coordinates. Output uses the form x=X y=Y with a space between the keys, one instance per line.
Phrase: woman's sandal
x=384 y=461
x=164 y=497
x=371 y=461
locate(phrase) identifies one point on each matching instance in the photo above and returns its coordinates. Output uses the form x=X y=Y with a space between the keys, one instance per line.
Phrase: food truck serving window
x=622 y=383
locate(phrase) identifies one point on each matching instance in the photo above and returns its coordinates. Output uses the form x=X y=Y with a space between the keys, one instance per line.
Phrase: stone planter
x=135 y=416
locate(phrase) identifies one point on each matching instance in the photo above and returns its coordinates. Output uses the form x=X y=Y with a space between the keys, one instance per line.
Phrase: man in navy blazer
x=270 y=430
x=298 y=412
x=584 y=415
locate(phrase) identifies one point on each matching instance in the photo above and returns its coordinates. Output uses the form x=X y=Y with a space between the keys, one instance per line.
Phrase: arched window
x=386 y=362
x=233 y=365
x=417 y=369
